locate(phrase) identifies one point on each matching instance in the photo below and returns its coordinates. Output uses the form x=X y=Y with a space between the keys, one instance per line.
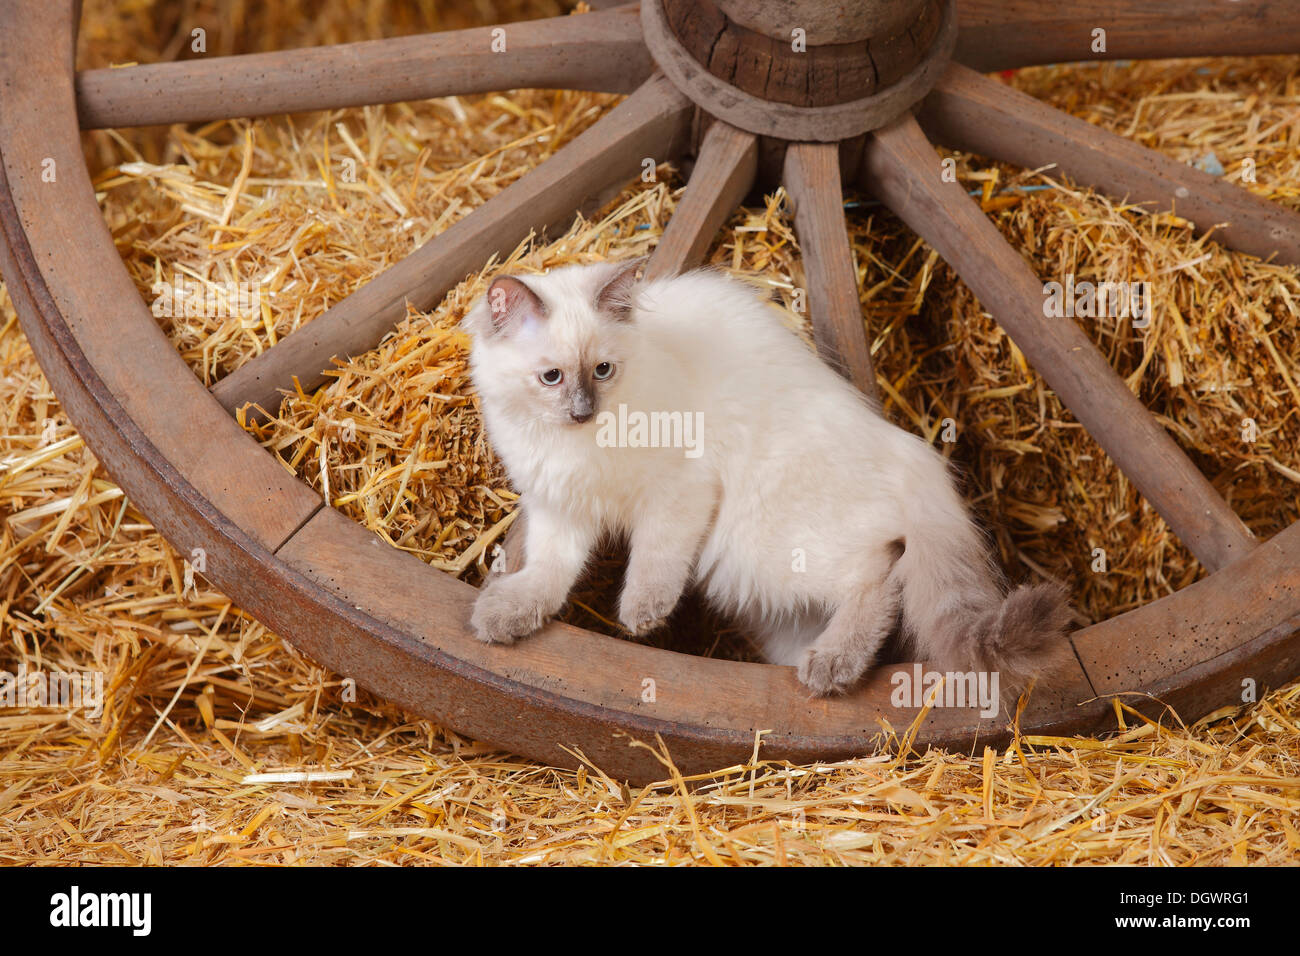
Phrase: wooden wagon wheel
x=399 y=628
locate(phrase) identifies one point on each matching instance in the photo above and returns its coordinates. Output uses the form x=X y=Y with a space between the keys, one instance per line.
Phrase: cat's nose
x=581 y=417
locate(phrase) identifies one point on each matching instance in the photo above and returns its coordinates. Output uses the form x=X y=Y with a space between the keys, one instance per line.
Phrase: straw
x=220 y=744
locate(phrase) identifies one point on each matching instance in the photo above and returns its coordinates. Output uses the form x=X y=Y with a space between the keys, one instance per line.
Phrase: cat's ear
x=615 y=296
x=510 y=303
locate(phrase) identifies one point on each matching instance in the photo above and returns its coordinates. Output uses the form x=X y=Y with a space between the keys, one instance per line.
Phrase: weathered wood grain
x=653 y=122
x=812 y=179
x=788 y=67
x=723 y=175
x=1206 y=646
x=1004 y=34
x=726 y=100
x=903 y=170
x=969 y=111
x=402 y=631
x=831 y=21
x=597 y=51
x=123 y=383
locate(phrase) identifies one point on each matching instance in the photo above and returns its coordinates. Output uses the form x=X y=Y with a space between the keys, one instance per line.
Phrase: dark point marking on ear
x=615 y=296
x=510 y=301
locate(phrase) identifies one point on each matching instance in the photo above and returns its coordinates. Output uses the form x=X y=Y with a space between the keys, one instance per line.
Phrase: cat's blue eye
x=602 y=371
x=552 y=376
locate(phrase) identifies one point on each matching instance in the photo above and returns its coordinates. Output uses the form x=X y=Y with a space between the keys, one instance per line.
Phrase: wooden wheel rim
x=325 y=583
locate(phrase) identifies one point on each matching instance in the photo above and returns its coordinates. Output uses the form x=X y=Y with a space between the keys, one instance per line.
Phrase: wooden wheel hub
x=401 y=629
x=770 y=78
x=783 y=65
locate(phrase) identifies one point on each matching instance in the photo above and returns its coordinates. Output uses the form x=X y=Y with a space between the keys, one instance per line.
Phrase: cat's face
x=554 y=348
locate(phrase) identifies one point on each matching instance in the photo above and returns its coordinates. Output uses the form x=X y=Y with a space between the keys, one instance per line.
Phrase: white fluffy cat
x=799 y=509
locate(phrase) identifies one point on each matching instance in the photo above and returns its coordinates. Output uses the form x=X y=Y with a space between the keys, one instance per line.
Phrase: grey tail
x=958 y=615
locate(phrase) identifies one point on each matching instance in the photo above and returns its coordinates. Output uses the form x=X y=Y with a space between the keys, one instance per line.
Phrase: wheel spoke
x=1003 y=34
x=902 y=169
x=812 y=178
x=972 y=112
x=596 y=51
x=723 y=174
x=651 y=123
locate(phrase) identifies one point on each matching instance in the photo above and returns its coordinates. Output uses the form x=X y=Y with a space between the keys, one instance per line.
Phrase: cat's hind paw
x=830 y=671
x=502 y=617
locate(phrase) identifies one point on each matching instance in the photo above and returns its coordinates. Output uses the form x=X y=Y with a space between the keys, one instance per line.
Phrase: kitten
x=800 y=510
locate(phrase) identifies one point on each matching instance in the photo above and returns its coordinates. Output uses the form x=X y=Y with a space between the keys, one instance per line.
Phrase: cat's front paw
x=830 y=671
x=644 y=611
x=502 y=615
